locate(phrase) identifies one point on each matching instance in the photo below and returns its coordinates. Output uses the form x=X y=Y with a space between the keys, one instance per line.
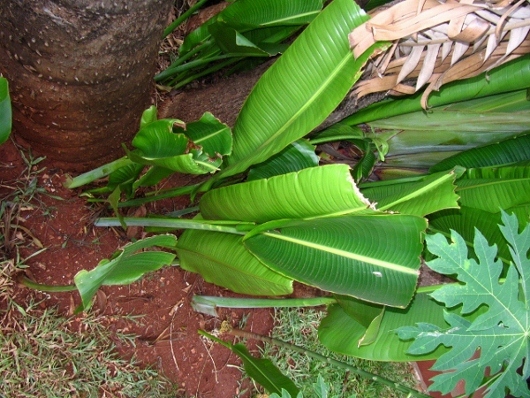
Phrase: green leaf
x=308 y=94
x=499 y=336
x=465 y=220
x=512 y=76
x=230 y=41
x=313 y=192
x=506 y=152
x=297 y=156
x=5 y=111
x=150 y=115
x=214 y=137
x=222 y=259
x=417 y=197
x=126 y=266
x=250 y=14
x=261 y=370
x=504 y=188
x=347 y=323
x=342 y=255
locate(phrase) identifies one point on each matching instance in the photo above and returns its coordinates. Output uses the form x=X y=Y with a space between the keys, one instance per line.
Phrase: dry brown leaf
x=435 y=42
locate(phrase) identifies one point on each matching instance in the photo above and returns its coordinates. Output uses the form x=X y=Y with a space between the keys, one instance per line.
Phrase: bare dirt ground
x=167 y=327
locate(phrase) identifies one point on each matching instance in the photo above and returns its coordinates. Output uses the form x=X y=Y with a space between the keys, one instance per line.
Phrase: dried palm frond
x=435 y=42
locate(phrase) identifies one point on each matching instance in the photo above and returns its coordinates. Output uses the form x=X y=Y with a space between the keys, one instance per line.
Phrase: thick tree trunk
x=80 y=73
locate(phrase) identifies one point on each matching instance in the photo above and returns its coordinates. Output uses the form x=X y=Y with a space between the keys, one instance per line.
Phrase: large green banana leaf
x=297 y=156
x=506 y=152
x=126 y=266
x=466 y=220
x=245 y=14
x=512 y=76
x=5 y=111
x=222 y=259
x=495 y=188
x=420 y=196
x=252 y=14
x=374 y=257
x=313 y=192
x=300 y=90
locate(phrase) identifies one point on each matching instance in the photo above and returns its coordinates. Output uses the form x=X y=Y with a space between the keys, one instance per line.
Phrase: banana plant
x=245 y=31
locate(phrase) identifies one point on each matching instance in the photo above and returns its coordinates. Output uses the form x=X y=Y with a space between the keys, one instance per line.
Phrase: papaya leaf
x=495 y=342
x=261 y=370
x=126 y=266
x=5 y=111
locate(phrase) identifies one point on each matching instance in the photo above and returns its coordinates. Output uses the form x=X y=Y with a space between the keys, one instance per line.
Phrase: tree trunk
x=80 y=73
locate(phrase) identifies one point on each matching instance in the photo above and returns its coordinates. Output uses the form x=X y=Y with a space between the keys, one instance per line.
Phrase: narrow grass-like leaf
x=343 y=255
x=5 y=111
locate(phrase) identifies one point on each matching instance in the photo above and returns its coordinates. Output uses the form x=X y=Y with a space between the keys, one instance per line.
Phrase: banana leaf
x=299 y=90
x=512 y=76
x=419 y=197
x=312 y=192
x=343 y=333
x=375 y=258
x=126 y=266
x=222 y=259
x=493 y=189
x=506 y=152
x=297 y=156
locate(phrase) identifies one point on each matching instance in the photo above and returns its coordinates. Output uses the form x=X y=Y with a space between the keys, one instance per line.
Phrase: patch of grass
x=299 y=327
x=43 y=354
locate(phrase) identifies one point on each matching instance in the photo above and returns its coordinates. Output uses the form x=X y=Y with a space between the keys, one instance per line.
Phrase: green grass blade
x=5 y=111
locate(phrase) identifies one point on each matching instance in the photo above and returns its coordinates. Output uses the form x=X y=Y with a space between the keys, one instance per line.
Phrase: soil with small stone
x=62 y=224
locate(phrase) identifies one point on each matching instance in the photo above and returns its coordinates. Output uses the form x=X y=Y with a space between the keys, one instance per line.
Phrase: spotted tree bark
x=80 y=73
